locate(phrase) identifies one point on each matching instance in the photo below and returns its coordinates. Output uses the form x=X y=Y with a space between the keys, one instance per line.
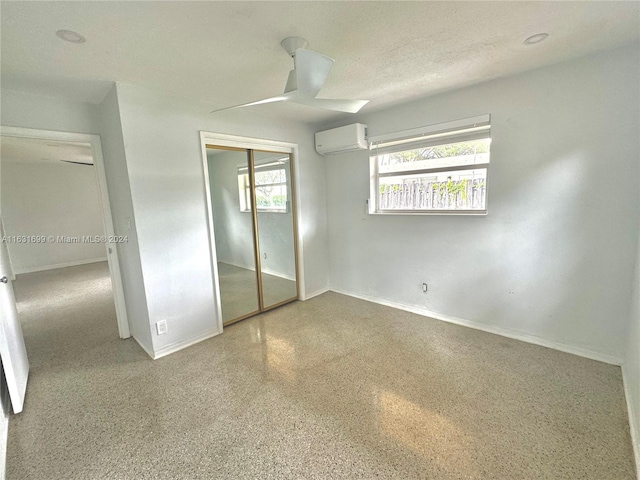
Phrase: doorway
x=253 y=213
x=26 y=152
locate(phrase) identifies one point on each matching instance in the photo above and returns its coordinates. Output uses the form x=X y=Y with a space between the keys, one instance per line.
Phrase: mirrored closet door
x=276 y=230
x=253 y=216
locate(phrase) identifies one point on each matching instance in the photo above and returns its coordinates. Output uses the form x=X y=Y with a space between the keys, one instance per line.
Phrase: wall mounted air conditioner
x=343 y=139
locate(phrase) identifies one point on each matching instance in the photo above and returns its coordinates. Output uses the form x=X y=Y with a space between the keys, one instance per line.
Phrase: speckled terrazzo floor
x=329 y=388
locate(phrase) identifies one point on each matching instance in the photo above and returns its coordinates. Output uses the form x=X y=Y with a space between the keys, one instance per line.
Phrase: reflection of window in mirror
x=271 y=187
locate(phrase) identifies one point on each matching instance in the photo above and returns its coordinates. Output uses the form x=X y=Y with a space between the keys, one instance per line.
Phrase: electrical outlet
x=161 y=327
x=424 y=287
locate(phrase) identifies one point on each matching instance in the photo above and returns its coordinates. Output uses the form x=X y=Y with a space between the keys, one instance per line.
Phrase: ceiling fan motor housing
x=291 y=44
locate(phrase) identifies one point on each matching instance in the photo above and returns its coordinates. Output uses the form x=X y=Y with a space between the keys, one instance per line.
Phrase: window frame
x=444 y=130
x=245 y=189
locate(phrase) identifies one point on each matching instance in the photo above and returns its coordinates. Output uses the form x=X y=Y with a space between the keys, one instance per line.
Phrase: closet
x=254 y=227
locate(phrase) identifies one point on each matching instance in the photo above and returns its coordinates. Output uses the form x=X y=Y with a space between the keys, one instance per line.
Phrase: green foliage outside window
x=440 y=151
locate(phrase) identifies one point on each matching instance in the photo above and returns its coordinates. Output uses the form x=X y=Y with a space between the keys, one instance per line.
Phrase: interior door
x=12 y=349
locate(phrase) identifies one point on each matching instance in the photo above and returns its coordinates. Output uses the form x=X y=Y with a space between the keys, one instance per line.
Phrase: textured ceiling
x=229 y=52
x=33 y=150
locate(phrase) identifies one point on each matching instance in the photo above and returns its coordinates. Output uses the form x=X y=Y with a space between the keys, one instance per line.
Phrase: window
x=438 y=169
x=271 y=187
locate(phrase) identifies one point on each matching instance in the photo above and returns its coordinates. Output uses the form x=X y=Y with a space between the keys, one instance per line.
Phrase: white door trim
x=110 y=246
x=225 y=140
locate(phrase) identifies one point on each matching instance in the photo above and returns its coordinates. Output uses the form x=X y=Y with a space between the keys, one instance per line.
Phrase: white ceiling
x=229 y=52
x=38 y=151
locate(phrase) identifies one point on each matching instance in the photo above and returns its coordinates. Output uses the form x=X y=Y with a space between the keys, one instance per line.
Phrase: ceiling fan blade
x=312 y=70
x=78 y=163
x=347 y=106
x=279 y=98
x=292 y=82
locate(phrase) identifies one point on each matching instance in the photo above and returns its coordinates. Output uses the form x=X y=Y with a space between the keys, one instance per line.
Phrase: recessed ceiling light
x=537 y=38
x=70 y=36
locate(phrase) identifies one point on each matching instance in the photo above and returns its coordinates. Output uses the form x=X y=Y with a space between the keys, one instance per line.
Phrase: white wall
x=19 y=109
x=124 y=219
x=41 y=112
x=55 y=199
x=154 y=174
x=47 y=113
x=631 y=366
x=163 y=155
x=551 y=260
x=234 y=229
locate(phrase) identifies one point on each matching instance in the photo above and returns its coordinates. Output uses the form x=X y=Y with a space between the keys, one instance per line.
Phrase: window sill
x=260 y=210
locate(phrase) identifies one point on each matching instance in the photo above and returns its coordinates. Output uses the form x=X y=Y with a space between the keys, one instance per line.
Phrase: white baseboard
x=264 y=270
x=174 y=347
x=61 y=265
x=278 y=274
x=237 y=265
x=634 y=413
x=524 y=337
x=316 y=293
x=144 y=347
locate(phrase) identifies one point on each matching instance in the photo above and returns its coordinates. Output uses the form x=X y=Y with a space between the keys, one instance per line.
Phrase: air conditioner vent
x=343 y=139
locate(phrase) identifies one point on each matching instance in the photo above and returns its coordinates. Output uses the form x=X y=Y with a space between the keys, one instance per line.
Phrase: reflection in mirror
x=233 y=230
x=276 y=239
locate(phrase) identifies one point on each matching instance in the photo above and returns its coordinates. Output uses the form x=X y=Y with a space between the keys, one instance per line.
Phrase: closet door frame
x=256 y=235
x=216 y=140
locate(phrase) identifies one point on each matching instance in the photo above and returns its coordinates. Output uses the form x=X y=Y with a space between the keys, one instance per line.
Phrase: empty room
x=320 y=240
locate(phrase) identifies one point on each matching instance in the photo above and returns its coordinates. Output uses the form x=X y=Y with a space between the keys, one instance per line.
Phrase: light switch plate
x=161 y=327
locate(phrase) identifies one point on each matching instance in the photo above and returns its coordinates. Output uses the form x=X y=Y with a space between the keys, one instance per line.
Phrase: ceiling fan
x=310 y=71
x=77 y=163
